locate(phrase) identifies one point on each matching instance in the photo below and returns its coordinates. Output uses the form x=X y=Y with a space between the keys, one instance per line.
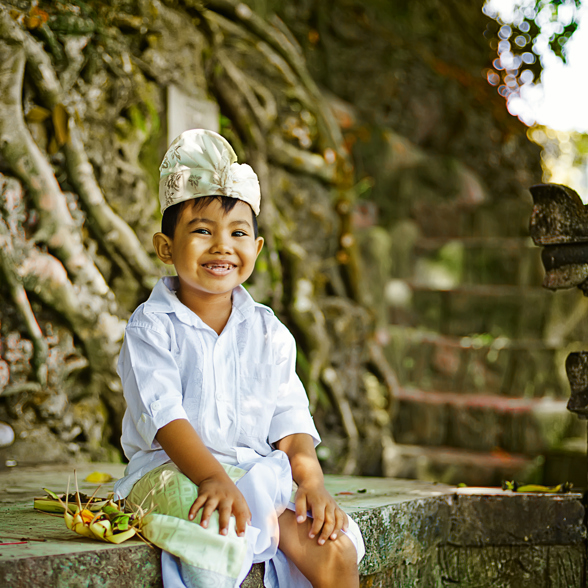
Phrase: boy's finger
x=207 y=511
x=317 y=523
x=224 y=515
x=198 y=503
x=345 y=526
x=301 y=509
x=328 y=526
x=340 y=521
x=242 y=517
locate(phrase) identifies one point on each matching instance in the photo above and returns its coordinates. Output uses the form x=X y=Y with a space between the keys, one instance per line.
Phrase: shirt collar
x=163 y=299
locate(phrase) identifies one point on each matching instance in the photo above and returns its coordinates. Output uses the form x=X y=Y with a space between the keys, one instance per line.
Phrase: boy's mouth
x=219 y=268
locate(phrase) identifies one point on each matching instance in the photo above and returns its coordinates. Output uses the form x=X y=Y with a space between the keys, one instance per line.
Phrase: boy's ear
x=163 y=246
x=259 y=243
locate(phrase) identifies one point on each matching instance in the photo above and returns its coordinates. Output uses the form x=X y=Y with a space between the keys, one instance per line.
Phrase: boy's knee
x=339 y=569
x=343 y=556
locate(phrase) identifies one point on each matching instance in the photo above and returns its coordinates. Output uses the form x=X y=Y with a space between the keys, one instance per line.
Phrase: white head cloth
x=202 y=163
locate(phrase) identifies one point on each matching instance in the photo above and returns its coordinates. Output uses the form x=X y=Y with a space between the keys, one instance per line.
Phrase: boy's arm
x=328 y=518
x=216 y=491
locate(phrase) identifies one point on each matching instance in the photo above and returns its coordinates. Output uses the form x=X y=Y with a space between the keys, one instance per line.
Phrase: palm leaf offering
x=53 y=503
x=96 y=518
x=514 y=486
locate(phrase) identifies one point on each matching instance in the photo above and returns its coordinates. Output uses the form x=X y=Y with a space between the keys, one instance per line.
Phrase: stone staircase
x=483 y=391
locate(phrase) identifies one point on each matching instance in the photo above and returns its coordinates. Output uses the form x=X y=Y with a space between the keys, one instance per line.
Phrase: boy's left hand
x=327 y=518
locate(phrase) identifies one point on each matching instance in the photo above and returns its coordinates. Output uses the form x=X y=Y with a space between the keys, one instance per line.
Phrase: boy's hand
x=328 y=518
x=218 y=492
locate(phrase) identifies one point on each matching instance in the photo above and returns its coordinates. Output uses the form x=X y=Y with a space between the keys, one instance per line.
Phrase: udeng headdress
x=201 y=163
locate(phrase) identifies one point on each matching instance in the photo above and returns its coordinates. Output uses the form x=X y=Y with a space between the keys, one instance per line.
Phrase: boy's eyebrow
x=212 y=222
x=201 y=220
x=240 y=222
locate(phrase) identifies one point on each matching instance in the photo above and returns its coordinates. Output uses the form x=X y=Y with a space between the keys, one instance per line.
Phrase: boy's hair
x=171 y=215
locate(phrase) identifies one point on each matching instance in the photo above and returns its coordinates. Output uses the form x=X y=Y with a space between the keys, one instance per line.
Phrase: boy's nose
x=221 y=245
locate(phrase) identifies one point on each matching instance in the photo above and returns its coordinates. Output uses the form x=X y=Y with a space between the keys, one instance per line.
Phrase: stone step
x=568 y=460
x=479 y=260
x=416 y=534
x=517 y=312
x=481 y=422
x=450 y=465
x=479 y=363
x=450 y=219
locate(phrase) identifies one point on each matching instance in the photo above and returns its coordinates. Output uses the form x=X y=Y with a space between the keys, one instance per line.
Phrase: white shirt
x=239 y=389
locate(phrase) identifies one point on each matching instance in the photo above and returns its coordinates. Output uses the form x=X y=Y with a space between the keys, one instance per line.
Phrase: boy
x=208 y=375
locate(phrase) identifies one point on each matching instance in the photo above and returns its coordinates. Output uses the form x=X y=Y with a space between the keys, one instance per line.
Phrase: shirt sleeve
x=292 y=414
x=151 y=380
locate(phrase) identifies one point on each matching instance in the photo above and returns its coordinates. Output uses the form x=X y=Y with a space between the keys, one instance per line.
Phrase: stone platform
x=416 y=534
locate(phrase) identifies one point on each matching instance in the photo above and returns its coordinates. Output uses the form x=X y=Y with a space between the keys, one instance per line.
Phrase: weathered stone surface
x=559 y=215
x=402 y=534
x=475 y=363
x=484 y=260
x=133 y=565
x=509 y=566
x=255 y=577
x=509 y=311
x=577 y=372
x=453 y=466
x=416 y=534
x=505 y=518
x=480 y=422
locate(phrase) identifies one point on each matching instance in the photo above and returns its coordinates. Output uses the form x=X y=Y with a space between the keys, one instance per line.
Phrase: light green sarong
x=216 y=559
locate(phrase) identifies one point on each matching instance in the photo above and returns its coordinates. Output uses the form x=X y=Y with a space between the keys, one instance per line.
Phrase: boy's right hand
x=218 y=492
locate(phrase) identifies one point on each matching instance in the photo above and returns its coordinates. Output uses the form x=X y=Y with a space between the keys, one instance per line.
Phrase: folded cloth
x=195 y=557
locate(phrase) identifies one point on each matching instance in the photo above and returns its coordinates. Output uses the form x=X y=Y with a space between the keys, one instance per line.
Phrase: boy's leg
x=332 y=565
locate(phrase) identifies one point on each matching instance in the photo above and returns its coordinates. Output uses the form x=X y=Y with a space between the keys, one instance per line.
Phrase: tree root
x=111 y=230
x=22 y=304
x=300 y=161
x=282 y=44
x=57 y=227
x=385 y=371
x=333 y=383
x=100 y=332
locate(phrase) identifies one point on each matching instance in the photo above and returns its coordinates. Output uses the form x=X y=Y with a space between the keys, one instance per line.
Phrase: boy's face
x=213 y=251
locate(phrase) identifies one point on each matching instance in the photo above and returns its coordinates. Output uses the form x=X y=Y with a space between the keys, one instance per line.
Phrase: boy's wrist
x=217 y=474
x=306 y=472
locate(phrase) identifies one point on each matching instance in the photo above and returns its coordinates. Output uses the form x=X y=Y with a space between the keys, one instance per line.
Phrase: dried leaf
x=36 y=18
x=60 y=119
x=99 y=478
x=37 y=114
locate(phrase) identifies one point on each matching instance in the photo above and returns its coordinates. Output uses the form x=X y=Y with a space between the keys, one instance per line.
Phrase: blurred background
x=395 y=143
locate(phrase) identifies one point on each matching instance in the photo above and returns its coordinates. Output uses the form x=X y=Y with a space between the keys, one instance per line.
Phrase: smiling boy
x=217 y=425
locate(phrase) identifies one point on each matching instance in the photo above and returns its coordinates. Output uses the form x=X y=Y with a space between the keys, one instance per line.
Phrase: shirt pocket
x=259 y=392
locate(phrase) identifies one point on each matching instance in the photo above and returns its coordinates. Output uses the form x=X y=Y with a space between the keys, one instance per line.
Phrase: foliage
x=522 y=38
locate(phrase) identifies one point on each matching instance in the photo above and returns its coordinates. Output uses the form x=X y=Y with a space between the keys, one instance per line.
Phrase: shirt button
x=143 y=418
x=155 y=406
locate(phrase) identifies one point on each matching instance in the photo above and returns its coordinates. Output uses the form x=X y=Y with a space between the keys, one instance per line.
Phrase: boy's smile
x=213 y=251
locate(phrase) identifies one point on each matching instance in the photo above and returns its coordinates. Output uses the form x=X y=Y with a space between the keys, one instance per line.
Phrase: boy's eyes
x=237 y=233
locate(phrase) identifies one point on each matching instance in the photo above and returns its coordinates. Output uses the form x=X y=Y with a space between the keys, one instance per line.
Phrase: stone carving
x=559 y=224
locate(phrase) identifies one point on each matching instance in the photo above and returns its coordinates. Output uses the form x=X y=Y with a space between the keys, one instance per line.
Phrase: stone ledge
x=416 y=533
